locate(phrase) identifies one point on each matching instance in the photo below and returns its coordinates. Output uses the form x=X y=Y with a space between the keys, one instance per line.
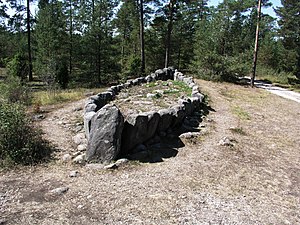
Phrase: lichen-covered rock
x=87 y=123
x=105 y=135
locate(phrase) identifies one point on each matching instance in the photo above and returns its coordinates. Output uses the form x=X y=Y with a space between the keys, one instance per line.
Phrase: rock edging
x=110 y=136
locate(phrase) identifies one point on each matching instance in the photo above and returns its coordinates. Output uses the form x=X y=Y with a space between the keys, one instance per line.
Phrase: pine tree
x=289 y=22
x=51 y=37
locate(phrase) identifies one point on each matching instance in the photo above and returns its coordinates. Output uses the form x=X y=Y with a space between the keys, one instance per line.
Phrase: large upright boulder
x=105 y=135
x=138 y=129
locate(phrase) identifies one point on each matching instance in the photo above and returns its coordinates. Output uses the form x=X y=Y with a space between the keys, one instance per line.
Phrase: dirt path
x=60 y=126
x=279 y=91
x=255 y=181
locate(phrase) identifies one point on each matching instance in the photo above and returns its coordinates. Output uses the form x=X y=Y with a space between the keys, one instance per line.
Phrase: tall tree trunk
x=30 y=77
x=169 y=33
x=142 y=37
x=256 y=44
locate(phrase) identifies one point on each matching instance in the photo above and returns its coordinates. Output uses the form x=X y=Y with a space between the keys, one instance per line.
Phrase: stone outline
x=173 y=115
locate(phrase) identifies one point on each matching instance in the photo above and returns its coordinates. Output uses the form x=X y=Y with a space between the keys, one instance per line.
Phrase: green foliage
x=12 y=90
x=182 y=87
x=20 y=142
x=133 y=66
x=17 y=67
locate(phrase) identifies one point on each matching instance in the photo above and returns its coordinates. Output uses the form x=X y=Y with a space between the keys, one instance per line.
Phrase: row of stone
x=98 y=101
x=110 y=136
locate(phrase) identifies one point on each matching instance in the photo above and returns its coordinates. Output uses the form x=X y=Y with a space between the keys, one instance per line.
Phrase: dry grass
x=254 y=182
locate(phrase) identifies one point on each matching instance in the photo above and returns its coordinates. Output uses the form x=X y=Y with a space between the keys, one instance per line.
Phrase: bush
x=17 y=67
x=222 y=68
x=12 y=91
x=20 y=142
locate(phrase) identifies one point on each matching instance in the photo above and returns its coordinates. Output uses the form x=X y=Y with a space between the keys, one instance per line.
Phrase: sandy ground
x=255 y=181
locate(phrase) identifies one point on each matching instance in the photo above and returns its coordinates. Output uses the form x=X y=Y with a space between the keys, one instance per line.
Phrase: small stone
x=81 y=147
x=66 y=158
x=225 y=141
x=59 y=191
x=74 y=173
x=121 y=162
x=150 y=95
x=80 y=159
x=189 y=135
x=111 y=166
x=37 y=118
x=80 y=207
x=3 y=221
x=79 y=138
x=78 y=128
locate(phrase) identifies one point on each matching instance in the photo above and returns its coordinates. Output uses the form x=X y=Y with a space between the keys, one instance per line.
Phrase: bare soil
x=255 y=181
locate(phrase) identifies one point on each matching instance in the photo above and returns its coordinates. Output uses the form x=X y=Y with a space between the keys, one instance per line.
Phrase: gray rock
x=188 y=80
x=76 y=154
x=179 y=114
x=166 y=119
x=161 y=74
x=81 y=147
x=188 y=106
x=138 y=129
x=195 y=88
x=59 y=191
x=79 y=138
x=196 y=103
x=198 y=95
x=66 y=158
x=148 y=79
x=189 y=135
x=225 y=141
x=38 y=117
x=74 y=173
x=121 y=162
x=87 y=122
x=111 y=166
x=80 y=159
x=150 y=95
x=105 y=137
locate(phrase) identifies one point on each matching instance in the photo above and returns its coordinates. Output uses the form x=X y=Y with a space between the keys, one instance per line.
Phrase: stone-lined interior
x=110 y=135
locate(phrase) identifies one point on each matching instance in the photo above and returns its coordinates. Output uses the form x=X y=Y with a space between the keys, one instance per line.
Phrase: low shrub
x=20 y=142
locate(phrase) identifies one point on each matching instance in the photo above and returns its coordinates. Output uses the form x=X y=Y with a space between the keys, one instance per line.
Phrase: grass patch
x=51 y=98
x=238 y=130
x=182 y=87
x=55 y=97
x=241 y=113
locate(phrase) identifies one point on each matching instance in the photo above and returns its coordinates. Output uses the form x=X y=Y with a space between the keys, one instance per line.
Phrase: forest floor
x=255 y=179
